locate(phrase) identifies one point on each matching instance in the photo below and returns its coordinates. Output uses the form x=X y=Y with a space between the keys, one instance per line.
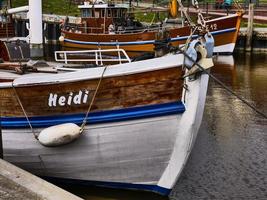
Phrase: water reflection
x=225 y=69
x=247 y=76
x=229 y=157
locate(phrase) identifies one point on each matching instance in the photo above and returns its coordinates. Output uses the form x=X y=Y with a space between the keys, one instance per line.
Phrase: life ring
x=173 y=5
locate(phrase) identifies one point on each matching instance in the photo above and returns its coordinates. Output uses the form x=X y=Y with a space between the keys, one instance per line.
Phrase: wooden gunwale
x=138 y=67
x=162 y=85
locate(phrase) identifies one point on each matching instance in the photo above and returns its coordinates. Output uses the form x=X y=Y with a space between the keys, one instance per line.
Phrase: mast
x=36 y=28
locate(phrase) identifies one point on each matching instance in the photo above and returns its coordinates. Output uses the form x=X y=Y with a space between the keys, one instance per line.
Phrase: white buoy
x=59 y=135
x=61 y=38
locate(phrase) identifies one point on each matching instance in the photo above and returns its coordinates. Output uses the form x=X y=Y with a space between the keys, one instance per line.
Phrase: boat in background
x=12 y=48
x=139 y=132
x=6 y=27
x=108 y=25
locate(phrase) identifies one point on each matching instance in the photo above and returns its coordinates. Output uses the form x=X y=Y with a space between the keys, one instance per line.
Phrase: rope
x=238 y=6
x=189 y=39
x=85 y=118
x=93 y=99
x=223 y=85
x=24 y=111
x=185 y=13
x=153 y=19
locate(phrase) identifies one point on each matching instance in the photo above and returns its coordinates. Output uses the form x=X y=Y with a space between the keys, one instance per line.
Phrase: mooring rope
x=93 y=99
x=24 y=111
x=223 y=85
x=86 y=115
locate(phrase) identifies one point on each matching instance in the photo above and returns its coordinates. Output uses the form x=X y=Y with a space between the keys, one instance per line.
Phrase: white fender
x=61 y=38
x=59 y=134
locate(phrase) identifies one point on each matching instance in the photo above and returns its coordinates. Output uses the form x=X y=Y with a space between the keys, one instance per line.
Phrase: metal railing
x=93 y=56
x=100 y=30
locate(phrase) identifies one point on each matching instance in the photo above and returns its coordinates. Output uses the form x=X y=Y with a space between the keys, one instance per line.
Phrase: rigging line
x=224 y=86
x=68 y=12
x=24 y=111
x=92 y=101
x=185 y=13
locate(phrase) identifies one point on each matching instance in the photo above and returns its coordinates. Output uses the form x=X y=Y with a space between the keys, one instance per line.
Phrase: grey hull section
x=136 y=151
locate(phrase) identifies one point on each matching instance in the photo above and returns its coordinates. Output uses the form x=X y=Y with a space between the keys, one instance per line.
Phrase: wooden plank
x=161 y=86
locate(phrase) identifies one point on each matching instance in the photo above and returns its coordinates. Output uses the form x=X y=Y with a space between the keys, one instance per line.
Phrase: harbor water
x=228 y=160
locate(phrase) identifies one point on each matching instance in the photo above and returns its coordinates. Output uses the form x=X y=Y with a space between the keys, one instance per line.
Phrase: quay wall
x=259 y=40
x=16 y=183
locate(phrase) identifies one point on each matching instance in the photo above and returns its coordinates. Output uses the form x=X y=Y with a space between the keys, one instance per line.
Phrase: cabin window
x=97 y=14
x=103 y=13
x=122 y=13
x=109 y=13
x=86 y=13
x=3 y=19
x=115 y=13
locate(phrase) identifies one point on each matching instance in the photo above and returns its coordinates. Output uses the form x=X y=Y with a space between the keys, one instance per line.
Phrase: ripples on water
x=229 y=157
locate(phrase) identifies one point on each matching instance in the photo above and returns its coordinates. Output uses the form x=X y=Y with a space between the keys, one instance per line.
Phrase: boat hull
x=146 y=152
x=224 y=30
x=120 y=152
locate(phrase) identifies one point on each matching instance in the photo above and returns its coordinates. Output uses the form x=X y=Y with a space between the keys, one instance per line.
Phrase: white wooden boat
x=139 y=132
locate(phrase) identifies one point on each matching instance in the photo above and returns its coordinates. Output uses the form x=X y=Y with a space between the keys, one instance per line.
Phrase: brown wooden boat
x=105 y=25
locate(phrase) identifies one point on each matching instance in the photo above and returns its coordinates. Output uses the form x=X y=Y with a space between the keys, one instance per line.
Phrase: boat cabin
x=6 y=26
x=102 y=17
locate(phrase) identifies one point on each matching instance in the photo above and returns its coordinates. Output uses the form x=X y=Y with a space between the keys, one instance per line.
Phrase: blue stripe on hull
x=110 y=43
x=96 y=117
x=116 y=185
x=213 y=33
x=145 y=41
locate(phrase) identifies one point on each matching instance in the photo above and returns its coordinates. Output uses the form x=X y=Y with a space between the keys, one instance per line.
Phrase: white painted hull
x=224 y=49
x=146 y=154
